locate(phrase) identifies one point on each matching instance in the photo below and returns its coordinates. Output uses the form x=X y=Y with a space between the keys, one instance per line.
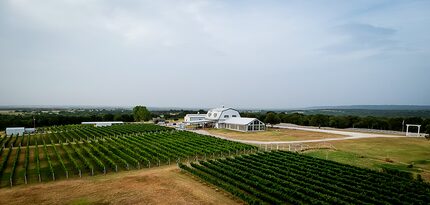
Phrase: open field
x=84 y=151
x=281 y=177
x=376 y=153
x=273 y=134
x=163 y=185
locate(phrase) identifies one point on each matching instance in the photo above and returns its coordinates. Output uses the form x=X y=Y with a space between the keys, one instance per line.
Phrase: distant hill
x=372 y=107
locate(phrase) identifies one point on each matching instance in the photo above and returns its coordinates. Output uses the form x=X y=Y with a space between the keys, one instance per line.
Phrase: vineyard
x=75 y=151
x=281 y=177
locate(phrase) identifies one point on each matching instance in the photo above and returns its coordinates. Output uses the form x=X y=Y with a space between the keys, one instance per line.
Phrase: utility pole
x=403 y=125
x=34 y=122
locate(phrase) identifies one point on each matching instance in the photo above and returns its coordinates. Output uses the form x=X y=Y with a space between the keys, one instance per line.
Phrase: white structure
x=244 y=124
x=413 y=134
x=19 y=131
x=225 y=118
x=102 y=124
x=15 y=131
x=194 y=117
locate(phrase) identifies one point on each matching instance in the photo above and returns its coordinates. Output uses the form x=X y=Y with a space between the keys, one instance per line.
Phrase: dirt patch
x=273 y=134
x=164 y=185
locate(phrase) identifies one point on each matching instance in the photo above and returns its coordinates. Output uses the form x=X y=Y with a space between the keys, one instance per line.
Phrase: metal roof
x=239 y=120
x=195 y=115
x=15 y=128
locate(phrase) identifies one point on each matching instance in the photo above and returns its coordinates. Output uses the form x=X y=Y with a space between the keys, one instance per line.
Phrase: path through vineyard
x=163 y=185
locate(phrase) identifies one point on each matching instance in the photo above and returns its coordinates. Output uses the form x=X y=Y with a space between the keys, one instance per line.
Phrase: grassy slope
x=378 y=152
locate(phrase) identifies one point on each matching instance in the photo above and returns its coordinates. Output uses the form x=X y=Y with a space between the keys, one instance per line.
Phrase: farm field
x=160 y=185
x=281 y=177
x=76 y=151
x=272 y=134
x=376 y=153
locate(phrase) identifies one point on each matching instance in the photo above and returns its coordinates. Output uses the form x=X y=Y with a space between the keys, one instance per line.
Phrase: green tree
x=272 y=118
x=140 y=113
x=428 y=131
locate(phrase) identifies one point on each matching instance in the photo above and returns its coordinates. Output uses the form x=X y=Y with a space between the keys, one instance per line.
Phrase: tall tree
x=140 y=113
x=272 y=118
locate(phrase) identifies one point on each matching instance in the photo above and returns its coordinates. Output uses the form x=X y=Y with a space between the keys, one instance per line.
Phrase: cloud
x=359 y=37
x=243 y=53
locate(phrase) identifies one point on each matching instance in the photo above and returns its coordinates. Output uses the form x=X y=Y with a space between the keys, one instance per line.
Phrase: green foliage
x=140 y=113
x=289 y=178
x=272 y=118
x=340 y=121
x=93 y=150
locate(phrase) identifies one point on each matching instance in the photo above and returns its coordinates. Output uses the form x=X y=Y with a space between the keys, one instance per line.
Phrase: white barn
x=226 y=118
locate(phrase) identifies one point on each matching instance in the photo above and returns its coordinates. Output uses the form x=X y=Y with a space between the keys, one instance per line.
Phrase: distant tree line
x=42 y=120
x=319 y=120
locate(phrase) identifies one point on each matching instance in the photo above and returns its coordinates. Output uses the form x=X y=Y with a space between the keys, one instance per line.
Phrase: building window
x=209 y=114
x=234 y=116
x=225 y=116
x=215 y=114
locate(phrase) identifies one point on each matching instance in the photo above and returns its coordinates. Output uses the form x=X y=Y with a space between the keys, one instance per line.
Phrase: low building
x=194 y=117
x=243 y=124
x=102 y=124
x=19 y=131
x=15 y=131
x=225 y=118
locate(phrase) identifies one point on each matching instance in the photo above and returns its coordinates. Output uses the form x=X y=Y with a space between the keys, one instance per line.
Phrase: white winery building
x=225 y=118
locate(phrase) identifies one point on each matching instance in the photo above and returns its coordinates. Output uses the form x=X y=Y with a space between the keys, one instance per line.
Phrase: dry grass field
x=163 y=185
x=273 y=134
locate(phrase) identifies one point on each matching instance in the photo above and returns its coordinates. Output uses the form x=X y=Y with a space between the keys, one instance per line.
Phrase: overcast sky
x=244 y=54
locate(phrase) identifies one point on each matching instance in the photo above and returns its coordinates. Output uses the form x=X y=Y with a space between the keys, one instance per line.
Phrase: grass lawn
x=273 y=134
x=376 y=153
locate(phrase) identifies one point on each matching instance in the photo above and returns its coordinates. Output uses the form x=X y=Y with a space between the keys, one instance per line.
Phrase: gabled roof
x=240 y=120
x=218 y=112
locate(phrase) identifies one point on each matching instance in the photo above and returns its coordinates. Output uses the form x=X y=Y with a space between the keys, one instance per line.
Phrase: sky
x=208 y=53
